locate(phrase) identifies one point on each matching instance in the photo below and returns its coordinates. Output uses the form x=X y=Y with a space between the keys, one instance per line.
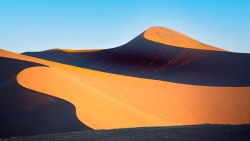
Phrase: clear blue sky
x=35 y=25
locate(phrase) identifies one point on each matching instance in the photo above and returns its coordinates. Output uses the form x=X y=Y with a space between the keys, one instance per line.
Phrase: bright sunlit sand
x=174 y=38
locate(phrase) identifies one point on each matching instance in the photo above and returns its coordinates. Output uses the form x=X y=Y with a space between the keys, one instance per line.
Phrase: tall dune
x=194 y=63
x=156 y=34
x=147 y=59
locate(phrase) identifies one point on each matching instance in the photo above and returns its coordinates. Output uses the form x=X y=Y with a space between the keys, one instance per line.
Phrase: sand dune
x=87 y=50
x=171 y=37
x=25 y=112
x=105 y=101
x=150 y=81
x=79 y=58
x=71 y=50
x=121 y=101
x=156 y=34
x=144 y=58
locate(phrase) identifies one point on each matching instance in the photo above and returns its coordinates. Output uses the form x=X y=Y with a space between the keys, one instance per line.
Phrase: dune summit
x=141 y=83
x=174 y=38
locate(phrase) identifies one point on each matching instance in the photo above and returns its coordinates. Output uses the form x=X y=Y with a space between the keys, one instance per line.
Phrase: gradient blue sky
x=35 y=25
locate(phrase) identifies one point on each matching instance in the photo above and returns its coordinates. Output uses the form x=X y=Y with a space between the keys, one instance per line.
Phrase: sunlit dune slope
x=113 y=101
x=171 y=37
x=105 y=101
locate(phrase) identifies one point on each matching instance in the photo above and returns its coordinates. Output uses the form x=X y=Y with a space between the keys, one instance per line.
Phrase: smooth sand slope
x=105 y=101
x=174 y=38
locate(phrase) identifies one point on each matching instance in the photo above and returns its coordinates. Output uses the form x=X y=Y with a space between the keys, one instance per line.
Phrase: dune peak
x=174 y=38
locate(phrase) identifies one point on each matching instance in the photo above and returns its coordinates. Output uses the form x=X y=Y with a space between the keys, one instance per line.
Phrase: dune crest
x=74 y=51
x=174 y=38
x=86 y=50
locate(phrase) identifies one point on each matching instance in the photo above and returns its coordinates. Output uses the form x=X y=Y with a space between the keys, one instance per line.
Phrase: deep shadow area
x=146 y=59
x=185 y=133
x=24 y=112
x=11 y=67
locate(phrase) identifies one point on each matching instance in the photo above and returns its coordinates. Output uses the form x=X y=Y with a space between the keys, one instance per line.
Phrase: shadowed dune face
x=147 y=59
x=25 y=112
x=57 y=56
x=79 y=58
x=11 y=67
x=171 y=37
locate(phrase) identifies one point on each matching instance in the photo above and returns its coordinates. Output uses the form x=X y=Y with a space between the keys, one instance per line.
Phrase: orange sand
x=171 y=37
x=105 y=101
x=87 y=50
x=71 y=50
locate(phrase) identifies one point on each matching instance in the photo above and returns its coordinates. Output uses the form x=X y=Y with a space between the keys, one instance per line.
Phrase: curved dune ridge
x=105 y=101
x=86 y=50
x=73 y=51
x=171 y=37
x=25 y=112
